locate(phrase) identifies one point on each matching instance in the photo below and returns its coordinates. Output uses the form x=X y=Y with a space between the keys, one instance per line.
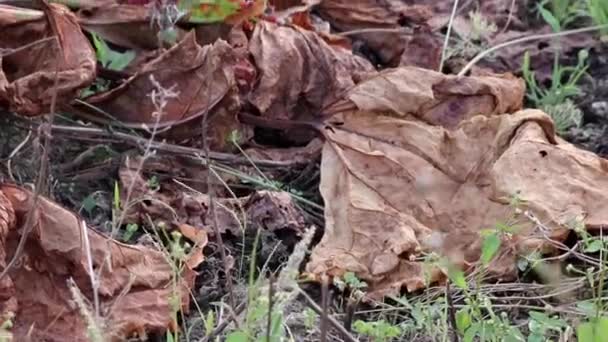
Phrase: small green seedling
x=377 y=331
x=130 y=230
x=560 y=13
x=598 y=11
x=594 y=330
x=109 y=58
x=556 y=100
x=541 y=325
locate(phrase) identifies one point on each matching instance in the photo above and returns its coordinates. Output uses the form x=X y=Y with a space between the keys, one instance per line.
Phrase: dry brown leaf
x=395 y=188
x=349 y=15
x=135 y=292
x=305 y=154
x=397 y=184
x=124 y=25
x=433 y=97
x=299 y=72
x=175 y=204
x=30 y=61
x=203 y=79
x=200 y=239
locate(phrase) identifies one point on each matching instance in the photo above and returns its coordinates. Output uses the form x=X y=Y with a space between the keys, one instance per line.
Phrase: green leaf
x=209 y=322
x=547 y=321
x=130 y=230
x=463 y=320
x=550 y=19
x=457 y=277
x=237 y=336
x=109 y=58
x=587 y=307
x=490 y=246
x=471 y=332
x=89 y=203
x=593 y=246
x=592 y=331
x=116 y=196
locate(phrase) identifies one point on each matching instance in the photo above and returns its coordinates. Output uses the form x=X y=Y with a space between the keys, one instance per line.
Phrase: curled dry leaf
x=299 y=72
x=302 y=155
x=135 y=291
x=170 y=203
x=268 y=210
x=349 y=15
x=395 y=188
x=124 y=25
x=202 y=79
x=433 y=97
x=31 y=59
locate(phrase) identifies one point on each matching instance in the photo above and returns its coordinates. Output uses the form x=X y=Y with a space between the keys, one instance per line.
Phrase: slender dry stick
x=374 y=30
x=92 y=276
x=166 y=147
x=44 y=132
x=213 y=211
x=447 y=35
x=335 y=324
x=324 y=306
x=451 y=312
x=271 y=282
x=222 y=326
x=510 y=17
x=482 y=54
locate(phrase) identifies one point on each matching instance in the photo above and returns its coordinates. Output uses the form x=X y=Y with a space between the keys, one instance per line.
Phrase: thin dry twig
x=335 y=324
x=447 y=35
x=213 y=210
x=484 y=53
x=195 y=153
x=325 y=308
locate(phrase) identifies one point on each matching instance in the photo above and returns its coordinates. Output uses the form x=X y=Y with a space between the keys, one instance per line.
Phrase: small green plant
x=352 y=283
x=177 y=254
x=473 y=41
x=565 y=115
x=153 y=183
x=564 y=81
x=264 y=319
x=109 y=58
x=598 y=11
x=5 y=328
x=560 y=13
x=130 y=230
x=377 y=331
x=556 y=100
x=594 y=330
x=310 y=318
x=542 y=326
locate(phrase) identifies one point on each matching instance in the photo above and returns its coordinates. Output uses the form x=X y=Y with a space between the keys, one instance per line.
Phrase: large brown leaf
x=433 y=97
x=299 y=72
x=348 y=15
x=204 y=81
x=396 y=186
x=128 y=26
x=135 y=291
x=31 y=62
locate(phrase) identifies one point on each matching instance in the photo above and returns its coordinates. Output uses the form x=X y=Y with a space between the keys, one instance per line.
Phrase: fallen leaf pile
x=413 y=161
x=134 y=282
